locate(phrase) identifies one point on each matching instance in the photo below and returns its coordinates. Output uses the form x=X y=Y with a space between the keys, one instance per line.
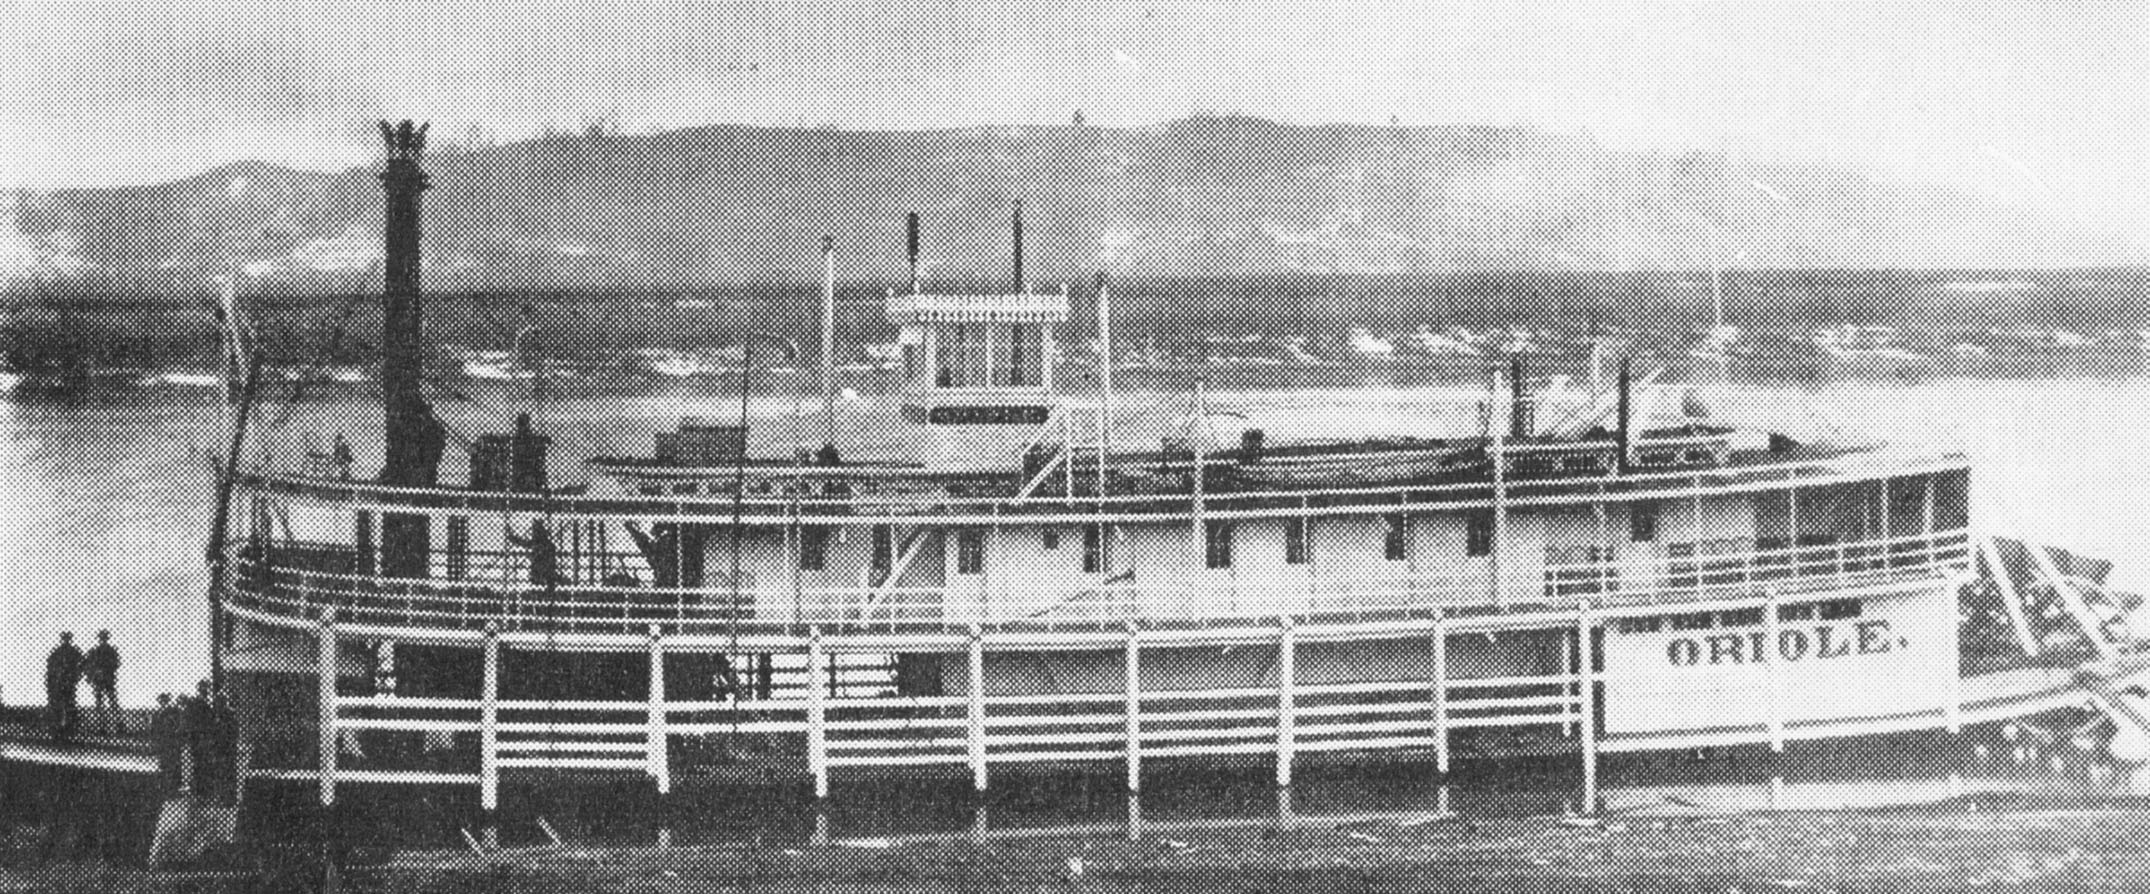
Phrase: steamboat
x=1015 y=585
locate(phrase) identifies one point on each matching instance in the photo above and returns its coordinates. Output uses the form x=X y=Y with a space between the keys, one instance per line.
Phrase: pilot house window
x=1295 y=541
x=1395 y=533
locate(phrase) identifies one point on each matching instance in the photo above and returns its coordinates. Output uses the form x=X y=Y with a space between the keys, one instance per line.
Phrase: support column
x=1440 y=691
x=1587 y=672
x=1287 y=697
x=660 y=752
x=326 y=634
x=1952 y=643
x=1772 y=659
x=977 y=708
x=817 y=731
x=489 y=722
x=1133 y=709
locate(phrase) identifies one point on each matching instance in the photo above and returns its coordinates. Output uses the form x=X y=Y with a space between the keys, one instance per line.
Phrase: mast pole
x=1196 y=433
x=1496 y=450
x=828 y=341
x=1104 y=378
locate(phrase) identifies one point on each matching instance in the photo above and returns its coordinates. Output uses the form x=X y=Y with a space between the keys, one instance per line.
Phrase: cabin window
x=1295 y=541
x=1217 y=544
x=1841 y=609
x=1746 y=617
x=963 y=356
x=1093 y=549
x=1478 y=534
x=813 y=547
x=458 y=547
x=1802 y=612
x=1396 y=527
x=970 y=551
x=1642 y=522
x=884 y=549
x=1051 y=538
x=1016 y=356
x=1693 y=621
x=1645 y=624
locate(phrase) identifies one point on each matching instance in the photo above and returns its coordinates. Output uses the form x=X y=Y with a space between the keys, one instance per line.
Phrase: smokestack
x=1621 y=422
x=1519 y=405
x=1018 y=246
x=414 y=437
x=910 y=222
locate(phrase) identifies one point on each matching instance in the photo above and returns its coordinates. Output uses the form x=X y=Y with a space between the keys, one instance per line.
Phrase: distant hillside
x=1207 y=196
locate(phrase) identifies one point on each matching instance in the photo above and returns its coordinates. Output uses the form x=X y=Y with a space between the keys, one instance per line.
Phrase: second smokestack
x=1019 y=246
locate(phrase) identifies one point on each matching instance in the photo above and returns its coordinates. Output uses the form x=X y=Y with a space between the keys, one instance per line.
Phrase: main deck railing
x=805 y=725
x=277 y=592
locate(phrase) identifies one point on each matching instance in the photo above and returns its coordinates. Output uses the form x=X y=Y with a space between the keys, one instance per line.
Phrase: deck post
x=326 y=633
x=1440 y=691
x=489 y=722
x=977 y=708
x=1587 y=673
x=1287 y=697
x=1771 y=660
x=2011 y=601
x=660 y=752
x=1133 y=688
x=1952 y=645
x=817 y=731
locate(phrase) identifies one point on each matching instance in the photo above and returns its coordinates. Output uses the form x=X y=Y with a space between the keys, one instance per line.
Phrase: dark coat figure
x=223 y=751
x=63 y=669
x=101 y=668
x=198 y=730
x=167 y=730
x=544 y=555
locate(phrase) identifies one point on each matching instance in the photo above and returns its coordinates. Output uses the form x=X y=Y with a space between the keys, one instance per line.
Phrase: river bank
x=2095 y=846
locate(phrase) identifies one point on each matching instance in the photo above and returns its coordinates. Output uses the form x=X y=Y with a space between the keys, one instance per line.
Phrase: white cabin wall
x=1711 y=518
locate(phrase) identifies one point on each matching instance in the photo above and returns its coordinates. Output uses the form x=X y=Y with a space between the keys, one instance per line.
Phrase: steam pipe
x=828 y=341
x=910 y=222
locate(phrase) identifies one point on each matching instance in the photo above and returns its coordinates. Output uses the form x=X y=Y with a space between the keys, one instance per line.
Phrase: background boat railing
x=297 y=593
x=839 y=499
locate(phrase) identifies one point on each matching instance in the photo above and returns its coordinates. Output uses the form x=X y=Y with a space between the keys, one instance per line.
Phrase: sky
x=2033 y=104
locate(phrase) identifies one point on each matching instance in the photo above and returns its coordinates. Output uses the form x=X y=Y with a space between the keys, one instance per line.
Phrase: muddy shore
x=1955 y=847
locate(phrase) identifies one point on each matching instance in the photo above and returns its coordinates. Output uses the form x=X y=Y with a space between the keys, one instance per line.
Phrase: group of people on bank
x=195 y=738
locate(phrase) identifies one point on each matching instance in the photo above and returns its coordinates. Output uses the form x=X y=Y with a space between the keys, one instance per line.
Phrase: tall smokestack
x=1018 y=246
x=911 y=246
x=413 y=436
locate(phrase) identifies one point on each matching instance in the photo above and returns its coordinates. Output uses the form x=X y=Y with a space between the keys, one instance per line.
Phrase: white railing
x=1124 y=720
x=793 y=499
x=297 y=595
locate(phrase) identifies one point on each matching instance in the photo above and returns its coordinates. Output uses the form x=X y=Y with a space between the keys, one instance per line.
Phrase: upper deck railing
x=868 y=495
x=274 y=590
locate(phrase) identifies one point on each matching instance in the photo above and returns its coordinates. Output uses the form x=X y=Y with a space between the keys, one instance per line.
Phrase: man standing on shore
x=101 y=668
x=63 y=669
